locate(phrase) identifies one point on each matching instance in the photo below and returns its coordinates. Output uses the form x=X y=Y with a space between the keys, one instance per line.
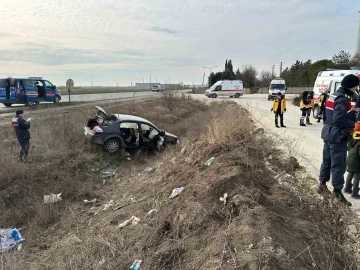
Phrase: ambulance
x=276 y=85
x=226 y=88
x=329 y=80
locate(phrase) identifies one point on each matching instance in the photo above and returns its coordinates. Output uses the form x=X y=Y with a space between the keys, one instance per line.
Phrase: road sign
x=69 y=84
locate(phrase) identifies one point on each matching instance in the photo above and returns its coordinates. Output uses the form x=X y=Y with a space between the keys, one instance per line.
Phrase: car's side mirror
x=162 y=133
x=285 y=88
x=54 y=86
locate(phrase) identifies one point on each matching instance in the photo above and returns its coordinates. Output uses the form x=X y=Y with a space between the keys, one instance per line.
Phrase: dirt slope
x=268 y=222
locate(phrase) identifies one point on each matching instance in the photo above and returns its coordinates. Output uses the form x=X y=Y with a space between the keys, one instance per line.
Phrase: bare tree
x=265 y=78
x=249 y=74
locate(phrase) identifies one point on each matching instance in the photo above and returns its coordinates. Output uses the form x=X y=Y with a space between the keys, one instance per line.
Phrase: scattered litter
x=136 y=265
x=108 y=205
x=128 y=158
x=173 y=160
x=152 y=211
x=9 y=239
x=108 y=171
x=183 y=150
x=52 y=198
x=224 y=198
x=270 y=157
x=88 y=202
x=102 y=261
x=176 y=192
x=6 y=140
x=149 y=170
x=130 y=222
x=208 y=163
x=127 y=154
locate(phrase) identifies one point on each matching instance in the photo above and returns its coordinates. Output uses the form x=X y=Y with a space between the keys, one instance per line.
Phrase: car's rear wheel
x=214 y=95
x=237 y=95
x=112 y=146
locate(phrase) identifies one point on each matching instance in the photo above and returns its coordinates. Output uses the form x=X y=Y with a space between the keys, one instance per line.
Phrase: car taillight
x=97 y=129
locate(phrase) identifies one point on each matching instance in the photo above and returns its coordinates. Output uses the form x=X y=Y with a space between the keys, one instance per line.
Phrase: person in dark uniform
x=279 y=107
x=21 y=128
x=304 y=107
x=339 y=125
x=322 y=99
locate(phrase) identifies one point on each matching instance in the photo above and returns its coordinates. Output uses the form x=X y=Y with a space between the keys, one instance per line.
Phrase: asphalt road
x=304 y=143
x=98 y=97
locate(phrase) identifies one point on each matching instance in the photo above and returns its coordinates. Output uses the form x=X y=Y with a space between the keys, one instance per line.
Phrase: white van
x=276 y=85
x=226 y=88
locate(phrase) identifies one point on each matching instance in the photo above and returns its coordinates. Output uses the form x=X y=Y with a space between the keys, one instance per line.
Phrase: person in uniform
x=339 y=125
x=21 y=128
x=279 y=107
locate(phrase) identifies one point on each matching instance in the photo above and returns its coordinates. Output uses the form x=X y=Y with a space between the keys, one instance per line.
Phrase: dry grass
x=264 y=225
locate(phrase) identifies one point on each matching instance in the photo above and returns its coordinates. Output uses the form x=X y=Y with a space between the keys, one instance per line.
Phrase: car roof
x=126 y=117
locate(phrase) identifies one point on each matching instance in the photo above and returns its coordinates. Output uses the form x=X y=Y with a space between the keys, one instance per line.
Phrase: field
x=100 y=90
x=270 y=218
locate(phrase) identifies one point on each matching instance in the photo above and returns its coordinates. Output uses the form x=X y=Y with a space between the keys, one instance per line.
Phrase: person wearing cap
x=335 y=133
x=353 y=164
x=21 y=128
x=279 y=107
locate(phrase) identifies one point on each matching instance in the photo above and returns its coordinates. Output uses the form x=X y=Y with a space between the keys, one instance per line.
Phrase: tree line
x=300 y=74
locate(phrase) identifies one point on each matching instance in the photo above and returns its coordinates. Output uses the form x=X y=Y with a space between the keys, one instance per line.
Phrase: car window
x=218 y=88
x=48 y=84
x=28 y=83
x=148 y=131
x=128 y=128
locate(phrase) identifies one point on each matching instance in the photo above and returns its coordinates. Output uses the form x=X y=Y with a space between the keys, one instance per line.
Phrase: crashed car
x=125 y=131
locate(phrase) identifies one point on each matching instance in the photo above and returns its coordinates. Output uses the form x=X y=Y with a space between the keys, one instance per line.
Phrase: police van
x=323 y=80
x=226 y=88
x=28 y=91
x=276 y=85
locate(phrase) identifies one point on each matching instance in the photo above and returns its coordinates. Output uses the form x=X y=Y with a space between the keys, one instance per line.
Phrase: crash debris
x=52 y=198
x=176 y=192
x=9 y=239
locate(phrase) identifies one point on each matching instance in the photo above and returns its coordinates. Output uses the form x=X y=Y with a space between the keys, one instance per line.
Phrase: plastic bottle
x=136 y=265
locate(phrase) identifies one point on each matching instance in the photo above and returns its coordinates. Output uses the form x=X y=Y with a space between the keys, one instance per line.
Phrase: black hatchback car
x=125 y=131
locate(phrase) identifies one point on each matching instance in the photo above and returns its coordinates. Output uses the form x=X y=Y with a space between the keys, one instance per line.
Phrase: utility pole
x=281 y=66
x=210 y=74
x=272 y=71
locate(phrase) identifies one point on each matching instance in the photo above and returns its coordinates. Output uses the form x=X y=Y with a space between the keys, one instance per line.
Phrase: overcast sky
x=124 y=41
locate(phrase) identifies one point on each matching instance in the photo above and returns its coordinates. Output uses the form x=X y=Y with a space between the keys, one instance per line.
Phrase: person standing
x=304 y=107
x=339 y=124
x=322 y=99
x=311 y=106
x=21 y=128
x=279 y=107
x=353 y=165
